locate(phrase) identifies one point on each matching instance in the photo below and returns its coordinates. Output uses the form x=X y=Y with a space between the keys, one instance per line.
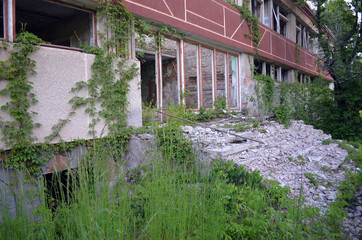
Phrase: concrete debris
x=294 y=156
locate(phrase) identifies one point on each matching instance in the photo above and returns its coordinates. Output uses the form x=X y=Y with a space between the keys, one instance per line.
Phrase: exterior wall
x=217 y=22
x=57 y=72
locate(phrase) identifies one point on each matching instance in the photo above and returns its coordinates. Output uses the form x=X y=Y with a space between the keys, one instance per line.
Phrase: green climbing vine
x=17 y=130
x=253 y=21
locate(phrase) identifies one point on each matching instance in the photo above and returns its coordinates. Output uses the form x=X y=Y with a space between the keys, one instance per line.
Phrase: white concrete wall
x=57 y=72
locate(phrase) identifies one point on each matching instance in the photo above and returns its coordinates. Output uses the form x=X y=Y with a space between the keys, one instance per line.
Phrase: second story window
x=266 y=13
x=280 y=20
x=298 y=33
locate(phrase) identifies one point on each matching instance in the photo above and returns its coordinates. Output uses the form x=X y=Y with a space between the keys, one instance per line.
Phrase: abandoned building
x=215 y=57
x=212 y=57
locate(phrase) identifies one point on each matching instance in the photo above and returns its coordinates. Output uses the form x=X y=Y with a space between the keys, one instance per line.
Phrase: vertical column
x=292 y=23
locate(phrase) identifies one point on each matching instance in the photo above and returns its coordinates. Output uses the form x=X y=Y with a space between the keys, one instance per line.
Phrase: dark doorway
x=59 y=187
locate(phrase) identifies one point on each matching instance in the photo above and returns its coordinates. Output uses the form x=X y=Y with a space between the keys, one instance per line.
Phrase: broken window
x=2 y=19
x=54 y=22
x=191 y=75
x=280 y=20
x=233 y=81
x=221 y=75
x=169 y=72
x=207 y=66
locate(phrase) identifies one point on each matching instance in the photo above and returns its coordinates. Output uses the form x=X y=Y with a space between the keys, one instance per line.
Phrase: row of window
x=201 y=73
x=58 y=24
x=279 y=73
x=272 y=14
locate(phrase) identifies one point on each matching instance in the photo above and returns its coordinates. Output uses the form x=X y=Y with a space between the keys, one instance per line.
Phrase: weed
x=256 y=124
x=326 y=141
x=313 y=178
x=240 y=127
x=326 y=168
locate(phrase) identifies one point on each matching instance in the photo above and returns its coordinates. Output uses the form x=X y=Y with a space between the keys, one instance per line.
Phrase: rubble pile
x=301 y=157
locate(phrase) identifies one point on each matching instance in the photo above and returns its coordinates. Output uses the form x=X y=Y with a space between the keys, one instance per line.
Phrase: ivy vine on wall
x=253 y=21
x=17 y=131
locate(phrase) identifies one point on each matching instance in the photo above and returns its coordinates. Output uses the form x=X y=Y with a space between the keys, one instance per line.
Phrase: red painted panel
x=291 y=54
x=158 y=5
x=278 y=46
x=232 y=22
x=177 y=7
x=265 y=40
x=207 y=9
x=303 y=58
x=240 y=34
x=195 y=19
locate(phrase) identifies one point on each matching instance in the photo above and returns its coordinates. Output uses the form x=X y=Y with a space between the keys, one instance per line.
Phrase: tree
x=340 y=36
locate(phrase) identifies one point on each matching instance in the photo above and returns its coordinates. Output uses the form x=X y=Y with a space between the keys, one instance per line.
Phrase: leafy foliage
x=341 y=54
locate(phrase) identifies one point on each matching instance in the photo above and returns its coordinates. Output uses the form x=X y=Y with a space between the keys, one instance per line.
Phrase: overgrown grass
x=169 y=199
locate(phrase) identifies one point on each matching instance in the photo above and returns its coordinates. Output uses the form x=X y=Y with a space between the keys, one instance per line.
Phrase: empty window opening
x=191 y=75
x=55 y=23
x=284 y=76
x=59 y=187
x=207 y=77
x=2 y=19
x=258 y=66
x=169 y=72
x=233 y=81
x=148 y=79
x=146 y=54
x=221 y=75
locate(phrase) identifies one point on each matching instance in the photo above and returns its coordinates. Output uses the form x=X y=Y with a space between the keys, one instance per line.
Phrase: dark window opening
x=54 y=23
x=283 y=28
x=148 y=79
x=59 y=188
x=2 y=19
x=268 y=69
x=284 y=76
x=258 y=67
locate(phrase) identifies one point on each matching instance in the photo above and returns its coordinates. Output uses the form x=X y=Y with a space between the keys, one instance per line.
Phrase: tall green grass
x=169 y=200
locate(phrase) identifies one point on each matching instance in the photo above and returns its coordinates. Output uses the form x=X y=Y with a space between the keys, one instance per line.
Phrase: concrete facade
x=57 y=71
